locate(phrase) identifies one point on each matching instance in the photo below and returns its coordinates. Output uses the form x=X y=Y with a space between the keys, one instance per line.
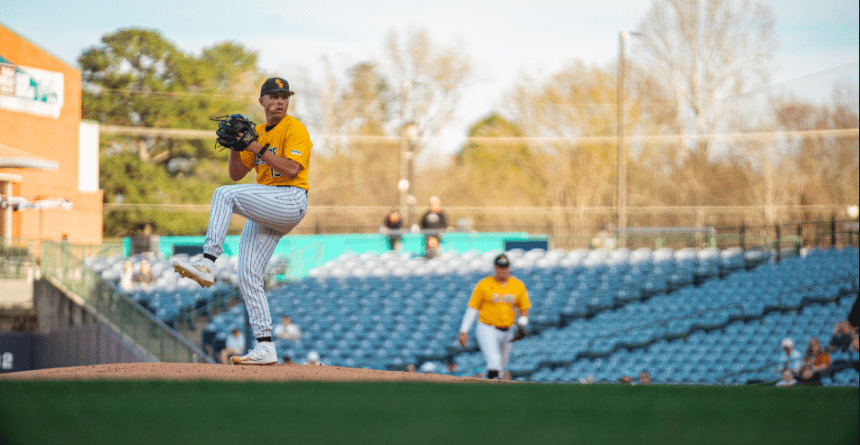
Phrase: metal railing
x=66 y=263
x=16 y=259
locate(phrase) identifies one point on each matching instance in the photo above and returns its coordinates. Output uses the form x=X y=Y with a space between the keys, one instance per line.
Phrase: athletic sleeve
x=468 y=319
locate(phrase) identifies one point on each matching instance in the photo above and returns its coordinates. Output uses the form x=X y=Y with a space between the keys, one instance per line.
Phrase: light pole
x=411 y=132
x=403 y=184
x=622 y=149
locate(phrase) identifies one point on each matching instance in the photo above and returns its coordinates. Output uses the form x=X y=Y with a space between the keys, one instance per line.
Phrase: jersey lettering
x=506 y=298
x=260 y=160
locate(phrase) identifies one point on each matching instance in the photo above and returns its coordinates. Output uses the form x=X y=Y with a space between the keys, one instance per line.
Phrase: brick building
x=49 y=158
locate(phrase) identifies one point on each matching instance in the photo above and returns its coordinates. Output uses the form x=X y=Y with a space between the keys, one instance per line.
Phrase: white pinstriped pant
x=270 y=212
x=495 y=345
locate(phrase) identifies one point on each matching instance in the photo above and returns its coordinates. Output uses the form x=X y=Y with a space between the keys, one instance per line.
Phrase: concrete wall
x=16 y=293
x=80 y=346
x=77 y=346
x=69 y=334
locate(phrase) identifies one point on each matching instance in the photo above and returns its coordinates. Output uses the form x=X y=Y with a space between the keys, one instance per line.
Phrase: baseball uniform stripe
x=271 y=213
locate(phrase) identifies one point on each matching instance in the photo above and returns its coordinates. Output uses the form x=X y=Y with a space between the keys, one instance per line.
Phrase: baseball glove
x=520 y=333
x=235 y=132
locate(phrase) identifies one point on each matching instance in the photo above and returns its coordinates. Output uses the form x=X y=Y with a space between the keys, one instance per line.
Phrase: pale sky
x=818 y=41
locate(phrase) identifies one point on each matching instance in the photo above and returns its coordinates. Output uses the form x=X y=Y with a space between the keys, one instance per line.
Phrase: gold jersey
x=289 y=139
x=495 y=303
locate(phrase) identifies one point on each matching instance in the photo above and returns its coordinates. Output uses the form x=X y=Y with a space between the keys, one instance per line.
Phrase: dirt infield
x=246 y=373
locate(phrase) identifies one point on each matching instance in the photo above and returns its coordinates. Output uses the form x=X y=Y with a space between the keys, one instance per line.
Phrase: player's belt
x=503 y=329
x=304 y=190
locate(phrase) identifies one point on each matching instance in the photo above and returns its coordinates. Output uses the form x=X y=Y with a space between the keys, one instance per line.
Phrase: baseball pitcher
x=279 y=151
x=495 y=302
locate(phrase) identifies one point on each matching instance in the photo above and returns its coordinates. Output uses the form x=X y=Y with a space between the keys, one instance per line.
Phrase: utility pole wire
x=177 y=133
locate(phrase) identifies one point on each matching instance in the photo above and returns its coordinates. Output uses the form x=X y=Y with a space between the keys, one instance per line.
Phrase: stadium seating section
x=171 y=298
x=688 y=316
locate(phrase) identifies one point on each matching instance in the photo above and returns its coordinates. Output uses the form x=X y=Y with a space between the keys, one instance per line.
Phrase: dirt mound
x=246 y=373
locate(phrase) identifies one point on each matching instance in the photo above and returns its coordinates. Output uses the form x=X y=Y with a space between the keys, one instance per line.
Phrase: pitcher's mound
x=243 y=373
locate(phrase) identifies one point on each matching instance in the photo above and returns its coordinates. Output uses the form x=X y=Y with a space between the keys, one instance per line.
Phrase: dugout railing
x=65 y=262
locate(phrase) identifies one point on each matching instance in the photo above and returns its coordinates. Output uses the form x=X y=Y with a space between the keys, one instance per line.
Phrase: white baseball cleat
x=262 y=354
x=198 y=270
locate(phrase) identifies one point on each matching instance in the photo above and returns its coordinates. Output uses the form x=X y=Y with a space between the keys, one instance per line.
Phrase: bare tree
x=429 y=78
x=354 y=169
x=576 y=103
x=708 y=53
x=821 y=170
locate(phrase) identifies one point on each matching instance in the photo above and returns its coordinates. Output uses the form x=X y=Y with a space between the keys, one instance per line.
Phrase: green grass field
x=156 y=413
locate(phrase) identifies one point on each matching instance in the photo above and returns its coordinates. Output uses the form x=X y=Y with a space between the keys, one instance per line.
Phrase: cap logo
x=280 y=84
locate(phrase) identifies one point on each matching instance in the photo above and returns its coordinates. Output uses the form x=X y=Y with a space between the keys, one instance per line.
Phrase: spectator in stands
x=287 y=330
x=314 y=358
x=605 y=238
x=816 y=360
x=431 y=248
x=451 y=366
x=843 y=335
x=287 y=360
x=433 y=221
x=125 y=280
x=855 y=346
x=235 y=345
x=392 y=226
x=787 y=379
x=626 y=380
x=807 y=377
x=144 y=277
x=790 y=359
x=410 y=367
x=644 y=378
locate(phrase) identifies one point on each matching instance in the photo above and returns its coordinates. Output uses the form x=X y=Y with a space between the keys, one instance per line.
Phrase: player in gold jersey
x=272 y=208
x=495 y=302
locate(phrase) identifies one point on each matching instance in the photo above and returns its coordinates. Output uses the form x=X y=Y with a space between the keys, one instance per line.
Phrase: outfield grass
x=156 y=413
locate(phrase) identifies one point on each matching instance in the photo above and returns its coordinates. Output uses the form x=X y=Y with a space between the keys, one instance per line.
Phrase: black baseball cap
x=275 y=84
x=502 y=261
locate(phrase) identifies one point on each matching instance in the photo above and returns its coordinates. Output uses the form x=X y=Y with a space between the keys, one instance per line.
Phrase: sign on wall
x=31 y=90
x=15 y=352
x=7 y=79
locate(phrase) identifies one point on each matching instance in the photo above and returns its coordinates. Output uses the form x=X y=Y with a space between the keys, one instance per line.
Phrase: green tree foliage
x=127 y=179
x=136 y=77
x=504 y=173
